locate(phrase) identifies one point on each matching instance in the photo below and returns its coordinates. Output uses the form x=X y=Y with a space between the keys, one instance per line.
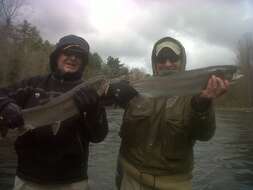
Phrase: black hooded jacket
x=43 y=157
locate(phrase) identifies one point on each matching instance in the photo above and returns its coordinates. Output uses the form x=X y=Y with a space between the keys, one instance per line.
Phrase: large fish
x=184 y=83
x=63 y=107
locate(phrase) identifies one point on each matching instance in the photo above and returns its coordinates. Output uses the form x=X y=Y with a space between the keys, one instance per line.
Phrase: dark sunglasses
x=167 y=54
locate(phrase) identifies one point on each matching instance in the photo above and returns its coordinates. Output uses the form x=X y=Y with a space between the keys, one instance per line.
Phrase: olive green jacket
x=158 y=134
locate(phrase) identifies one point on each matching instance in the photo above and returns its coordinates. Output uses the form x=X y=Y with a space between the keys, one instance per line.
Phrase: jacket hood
x=69 y=40
x=171 y=43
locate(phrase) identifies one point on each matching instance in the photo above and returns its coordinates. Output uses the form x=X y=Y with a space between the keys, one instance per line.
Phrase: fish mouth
x=236 y=76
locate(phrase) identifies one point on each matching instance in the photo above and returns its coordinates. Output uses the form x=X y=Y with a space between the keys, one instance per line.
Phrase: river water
x=225 y=162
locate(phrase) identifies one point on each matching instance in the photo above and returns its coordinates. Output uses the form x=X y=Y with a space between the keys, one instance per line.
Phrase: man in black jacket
x=45 y=160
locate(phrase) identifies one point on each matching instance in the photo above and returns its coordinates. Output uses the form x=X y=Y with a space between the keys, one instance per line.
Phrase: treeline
x=24 y=53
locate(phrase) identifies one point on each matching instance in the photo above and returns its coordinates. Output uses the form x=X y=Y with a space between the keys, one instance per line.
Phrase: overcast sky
x=127 y=29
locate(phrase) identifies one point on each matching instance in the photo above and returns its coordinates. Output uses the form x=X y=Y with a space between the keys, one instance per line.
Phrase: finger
x=210 y=83
x=222 y=87
x=205 y=92
x=227 y=84
x=214 y=82
x=221 y=84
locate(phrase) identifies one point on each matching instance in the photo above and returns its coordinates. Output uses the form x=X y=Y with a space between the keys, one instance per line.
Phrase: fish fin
x=24 y=129
x=55 y=127
x=3 y=128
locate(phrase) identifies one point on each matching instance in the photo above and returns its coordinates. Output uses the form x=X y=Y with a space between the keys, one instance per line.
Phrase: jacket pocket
x=175 y=136
x=136 y=122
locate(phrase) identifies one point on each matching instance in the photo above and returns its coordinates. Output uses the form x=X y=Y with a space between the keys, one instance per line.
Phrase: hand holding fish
x=185 y=83
x=216 y=87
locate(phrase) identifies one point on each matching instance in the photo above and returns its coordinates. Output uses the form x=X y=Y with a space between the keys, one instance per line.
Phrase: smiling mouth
x=70 y=67
x=71 y=63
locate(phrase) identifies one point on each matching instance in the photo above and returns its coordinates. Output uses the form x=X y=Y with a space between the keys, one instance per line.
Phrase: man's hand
x=215 y=88
x=121 y=92
x=12 y=116
x=86 y=99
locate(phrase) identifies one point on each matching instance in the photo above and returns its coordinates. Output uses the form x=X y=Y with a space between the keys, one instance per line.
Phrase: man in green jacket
x=158 y=134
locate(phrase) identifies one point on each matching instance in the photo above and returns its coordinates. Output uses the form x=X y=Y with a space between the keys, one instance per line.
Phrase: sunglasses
x=163 y=60
x=167 y=54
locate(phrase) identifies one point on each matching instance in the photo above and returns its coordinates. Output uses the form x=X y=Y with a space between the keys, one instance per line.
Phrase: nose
x=168 y=63
x=72 y=57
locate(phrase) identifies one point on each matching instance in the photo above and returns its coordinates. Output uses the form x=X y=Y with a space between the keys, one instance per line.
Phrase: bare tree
x=9 y=9
x=245 y=62
x=137 y=74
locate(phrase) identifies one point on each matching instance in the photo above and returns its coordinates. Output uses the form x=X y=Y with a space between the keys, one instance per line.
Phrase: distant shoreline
x=242 y=109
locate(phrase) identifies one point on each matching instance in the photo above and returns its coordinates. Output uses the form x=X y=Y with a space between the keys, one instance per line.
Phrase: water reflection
x=225 y=162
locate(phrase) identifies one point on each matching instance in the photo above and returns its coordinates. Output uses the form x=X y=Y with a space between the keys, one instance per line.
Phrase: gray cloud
x=220 y=22
x=55 y=19
x=208 y=29
x=132 y=46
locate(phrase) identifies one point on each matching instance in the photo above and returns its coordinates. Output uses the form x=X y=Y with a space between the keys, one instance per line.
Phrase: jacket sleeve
x=17 y=93
x=97 y=125
x=202 y=119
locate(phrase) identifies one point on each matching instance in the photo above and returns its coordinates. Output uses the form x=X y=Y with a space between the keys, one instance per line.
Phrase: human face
x=167 y=67
x=68 y=63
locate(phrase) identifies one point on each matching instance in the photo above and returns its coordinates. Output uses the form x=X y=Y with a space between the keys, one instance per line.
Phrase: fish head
x=226 y=72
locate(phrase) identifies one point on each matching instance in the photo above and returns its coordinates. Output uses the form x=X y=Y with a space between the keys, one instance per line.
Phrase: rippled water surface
x=225 y=162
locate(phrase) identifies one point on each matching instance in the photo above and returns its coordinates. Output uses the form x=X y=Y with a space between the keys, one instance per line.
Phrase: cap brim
x=174 y=47
x=74 y=48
